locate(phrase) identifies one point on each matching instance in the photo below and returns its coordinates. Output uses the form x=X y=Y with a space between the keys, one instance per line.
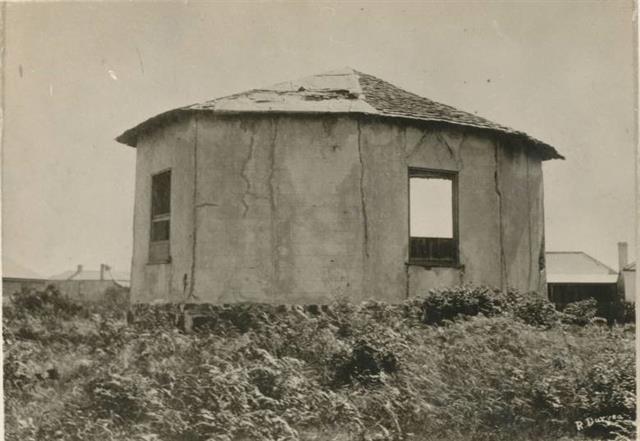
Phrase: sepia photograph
x=319 y=221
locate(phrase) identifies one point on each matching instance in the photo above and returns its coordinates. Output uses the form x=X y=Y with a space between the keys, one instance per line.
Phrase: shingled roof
x=340 y=91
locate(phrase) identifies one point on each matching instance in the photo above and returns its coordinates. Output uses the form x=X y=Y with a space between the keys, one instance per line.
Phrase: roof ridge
x=438 y=103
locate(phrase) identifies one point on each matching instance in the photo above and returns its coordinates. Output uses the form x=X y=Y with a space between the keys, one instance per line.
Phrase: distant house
x=338 y=184
x=17 y=278
x=574 y=275
x=89 y=285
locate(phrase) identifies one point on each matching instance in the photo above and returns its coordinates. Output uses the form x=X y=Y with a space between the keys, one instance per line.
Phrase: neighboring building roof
x=341 y=91
x=630 y=267
x=577 y=267
x=12 y=269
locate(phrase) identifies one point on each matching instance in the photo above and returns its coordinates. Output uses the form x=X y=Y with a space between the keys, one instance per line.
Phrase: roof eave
x=131 y=136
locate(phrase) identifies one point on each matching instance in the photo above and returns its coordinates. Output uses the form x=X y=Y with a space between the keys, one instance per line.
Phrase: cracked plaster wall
x=172 y=148
x=306 y=209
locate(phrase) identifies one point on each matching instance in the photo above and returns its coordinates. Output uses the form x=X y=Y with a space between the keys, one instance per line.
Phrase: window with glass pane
x=432 y=217
x=160 y=217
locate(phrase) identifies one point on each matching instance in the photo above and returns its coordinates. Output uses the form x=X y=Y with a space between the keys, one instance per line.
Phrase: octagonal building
x=335 y=186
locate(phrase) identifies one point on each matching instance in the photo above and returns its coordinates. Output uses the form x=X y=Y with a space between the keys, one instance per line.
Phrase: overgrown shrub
x=591 y=310
x=612 y=311
x=48 y=302
x=582 y=312
x=532 y=309
x=369 y=371
x=363 y=364
x=447 y=303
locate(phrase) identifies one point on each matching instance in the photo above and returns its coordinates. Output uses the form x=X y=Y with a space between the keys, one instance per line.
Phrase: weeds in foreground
x=484 y=367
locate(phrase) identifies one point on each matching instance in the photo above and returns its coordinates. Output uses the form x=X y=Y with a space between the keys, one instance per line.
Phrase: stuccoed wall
x=169 y=147
x=280 y=217
x=521 y=190
x=307 y=209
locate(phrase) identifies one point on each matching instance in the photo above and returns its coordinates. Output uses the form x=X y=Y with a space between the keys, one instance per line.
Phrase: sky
x=78 y=74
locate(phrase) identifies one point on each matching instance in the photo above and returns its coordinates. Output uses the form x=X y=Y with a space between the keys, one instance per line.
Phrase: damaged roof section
x=340 y=91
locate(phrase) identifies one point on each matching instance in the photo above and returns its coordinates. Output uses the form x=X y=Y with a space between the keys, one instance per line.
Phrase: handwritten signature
x=588 y=422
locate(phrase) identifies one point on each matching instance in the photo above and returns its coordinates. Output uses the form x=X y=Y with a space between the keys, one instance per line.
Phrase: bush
x=341 y=371
x=588 y=311
x=533 y=309
x=50 y=302
x=448 y=303
x=582 y=312
x=610 y=311
x=363 y=364
x=613 y=312
x=445 y=304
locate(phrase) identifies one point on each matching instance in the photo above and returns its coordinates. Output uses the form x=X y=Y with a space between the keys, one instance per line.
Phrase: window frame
x=420 y=172
x=163 y=217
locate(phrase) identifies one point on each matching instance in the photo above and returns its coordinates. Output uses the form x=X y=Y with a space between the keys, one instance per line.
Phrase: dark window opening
x=433 y=235
x=161 y=194
x=160 y=217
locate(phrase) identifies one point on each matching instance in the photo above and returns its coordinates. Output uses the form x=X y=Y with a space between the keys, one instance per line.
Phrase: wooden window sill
x=431 y=264
x=159 y=262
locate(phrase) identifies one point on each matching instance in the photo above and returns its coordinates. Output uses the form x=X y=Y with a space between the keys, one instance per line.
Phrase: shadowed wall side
x=170 y=147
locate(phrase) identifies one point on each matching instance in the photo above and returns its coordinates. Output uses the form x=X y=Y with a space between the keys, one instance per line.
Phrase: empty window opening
x=432 y=217
x=160 y=217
